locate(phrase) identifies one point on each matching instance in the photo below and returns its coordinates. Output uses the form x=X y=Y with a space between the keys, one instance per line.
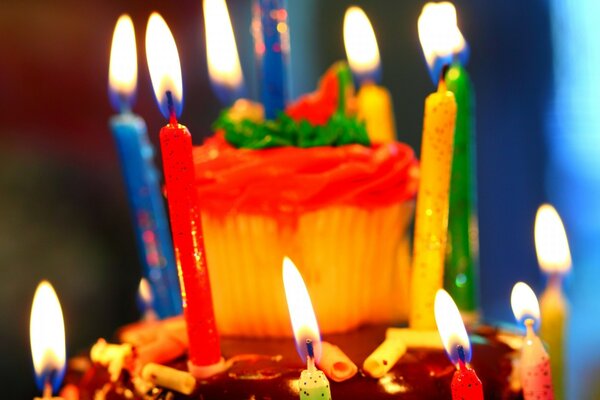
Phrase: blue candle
x=141 y=176
x=272 y=48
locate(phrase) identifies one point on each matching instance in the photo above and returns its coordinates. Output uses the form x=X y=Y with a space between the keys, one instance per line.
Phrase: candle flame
x=451 y=327
x=440 y=37
x=524 y=303
x=551 y=244
x=163 y=62
x=221 y=51
x=47 y=335
x=122 y=71
x=304 y=321
x=360 y=42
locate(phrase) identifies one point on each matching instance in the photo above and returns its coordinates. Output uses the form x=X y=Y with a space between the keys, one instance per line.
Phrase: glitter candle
x=431 y=217
x=141 y=177
x=465 y=382
x=536 y=376
x=176 y=147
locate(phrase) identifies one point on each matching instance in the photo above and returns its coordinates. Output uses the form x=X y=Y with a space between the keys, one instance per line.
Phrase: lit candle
x=272 y=50
x=444 y=45
x=221 y=53
x=47 y=335
x=465 y=383
x=141 y=176
x=176 y=147
x=536 y=376
x=431 y=216
x=554 y=257
x=374 y=102
x=313 y=384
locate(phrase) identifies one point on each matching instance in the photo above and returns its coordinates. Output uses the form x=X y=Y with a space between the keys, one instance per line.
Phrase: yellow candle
x=554 y=309
x=431 y=218
x=554 y=257
x=375 y=109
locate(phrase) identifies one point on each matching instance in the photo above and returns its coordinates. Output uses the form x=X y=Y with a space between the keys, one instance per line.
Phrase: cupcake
x=308 y=185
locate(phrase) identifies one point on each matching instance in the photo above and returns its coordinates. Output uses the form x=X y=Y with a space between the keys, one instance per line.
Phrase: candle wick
x=310 y=358
x=442 y=81
x=124 y=106
x=171 y=108
x=529 y=322
x=47 y=393
x=461 y=356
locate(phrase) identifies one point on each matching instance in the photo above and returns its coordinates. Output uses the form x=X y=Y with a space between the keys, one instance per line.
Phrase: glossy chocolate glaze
x=420 y=374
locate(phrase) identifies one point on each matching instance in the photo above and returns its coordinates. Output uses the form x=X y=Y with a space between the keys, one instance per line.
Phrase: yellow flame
x=551 y=244
x=221 y=51
x=524 y=302
x=450 y=325
x=438 y=31
x=122 y=76
x=163 y=59
x=47 y=330
x=304 y=321
x=360 y=41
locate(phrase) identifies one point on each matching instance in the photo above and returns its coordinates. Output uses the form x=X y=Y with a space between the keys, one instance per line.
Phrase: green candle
x=463 y=243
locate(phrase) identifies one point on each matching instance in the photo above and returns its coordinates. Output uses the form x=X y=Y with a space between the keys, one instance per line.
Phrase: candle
x=313 y=384
x=272 y=49
x=444 y=44
x=465 y=383
x=47 y=336
x=536 y=376
x=141 y=177
x=222 y=57
x=176 y=147
x=431 y=216
x=374 y=102
x=554 y=256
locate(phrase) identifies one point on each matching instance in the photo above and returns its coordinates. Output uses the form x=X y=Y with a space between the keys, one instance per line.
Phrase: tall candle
x=431 y=217
x=465 y=382
x=176 y=147
x=443 y=44
x=536 y=376
x=141 y=176
x=272 y=49
x=374 y=101
x=554 y=257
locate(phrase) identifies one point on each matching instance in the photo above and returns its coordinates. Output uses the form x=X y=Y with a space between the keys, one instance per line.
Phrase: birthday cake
x=422 y=373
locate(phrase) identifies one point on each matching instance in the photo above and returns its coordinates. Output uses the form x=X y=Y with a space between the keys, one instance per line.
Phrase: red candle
x=465 y=383
x=176 y=148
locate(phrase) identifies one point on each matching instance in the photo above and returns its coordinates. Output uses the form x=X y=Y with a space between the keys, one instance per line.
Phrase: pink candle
x=536 y=376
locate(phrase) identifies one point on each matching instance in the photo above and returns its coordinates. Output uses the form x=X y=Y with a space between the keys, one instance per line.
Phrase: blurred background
x=63 y=209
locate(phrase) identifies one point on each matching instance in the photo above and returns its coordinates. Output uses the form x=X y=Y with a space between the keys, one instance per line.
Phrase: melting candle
x=176 y=147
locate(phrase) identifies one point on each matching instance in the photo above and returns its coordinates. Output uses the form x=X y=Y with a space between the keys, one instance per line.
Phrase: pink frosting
x=292 y=180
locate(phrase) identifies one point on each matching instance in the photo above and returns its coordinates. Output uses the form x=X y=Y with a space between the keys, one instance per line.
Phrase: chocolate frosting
x=420 y=374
